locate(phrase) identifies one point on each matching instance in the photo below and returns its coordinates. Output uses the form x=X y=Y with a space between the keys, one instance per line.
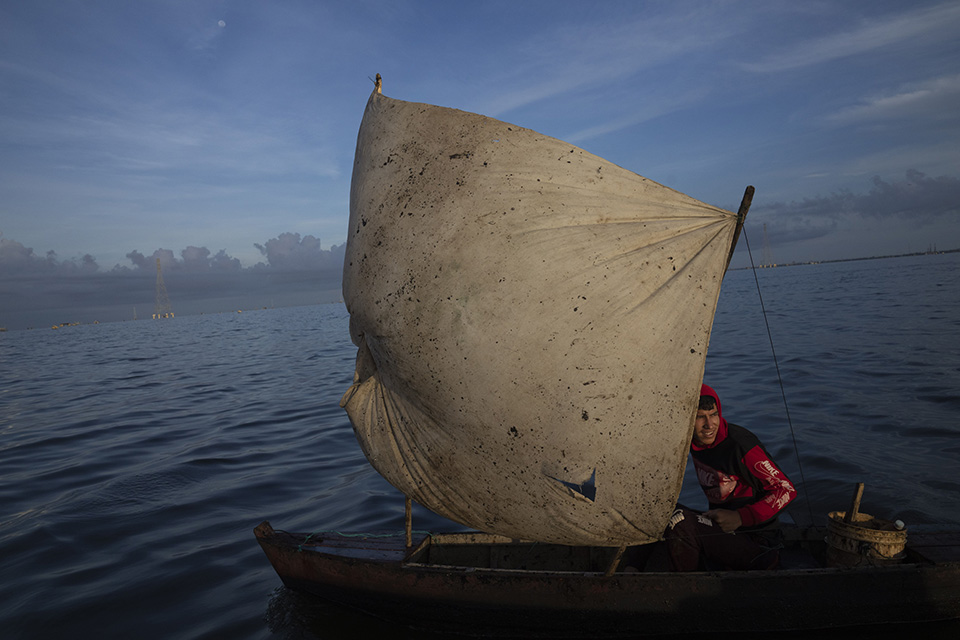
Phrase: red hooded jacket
x=736 y=473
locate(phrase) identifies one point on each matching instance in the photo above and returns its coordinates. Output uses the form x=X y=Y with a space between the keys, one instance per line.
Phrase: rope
x=776 y=364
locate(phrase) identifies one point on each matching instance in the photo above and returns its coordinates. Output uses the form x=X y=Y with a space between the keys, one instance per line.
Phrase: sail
x=532 y=323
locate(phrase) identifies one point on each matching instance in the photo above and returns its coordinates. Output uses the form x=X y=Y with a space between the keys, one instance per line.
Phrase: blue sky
x=222 y=133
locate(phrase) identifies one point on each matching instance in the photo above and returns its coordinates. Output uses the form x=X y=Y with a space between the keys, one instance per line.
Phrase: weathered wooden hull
x=380 y=576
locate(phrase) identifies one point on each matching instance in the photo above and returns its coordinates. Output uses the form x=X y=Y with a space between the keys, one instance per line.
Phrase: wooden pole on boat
x=616 y=561
x=854 y=504
x=408 y=520
x=741 y=216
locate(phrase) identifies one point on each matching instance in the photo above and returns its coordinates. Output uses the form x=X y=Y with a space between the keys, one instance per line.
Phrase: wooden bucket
x=864 y=540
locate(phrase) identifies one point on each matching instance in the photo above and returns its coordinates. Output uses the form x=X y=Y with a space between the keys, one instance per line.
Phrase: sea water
x=136 y=458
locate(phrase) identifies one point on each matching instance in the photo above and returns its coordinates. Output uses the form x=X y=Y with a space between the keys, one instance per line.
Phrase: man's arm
x=778 y=491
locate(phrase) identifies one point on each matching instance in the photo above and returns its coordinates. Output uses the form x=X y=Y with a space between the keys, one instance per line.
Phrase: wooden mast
x=741 y=216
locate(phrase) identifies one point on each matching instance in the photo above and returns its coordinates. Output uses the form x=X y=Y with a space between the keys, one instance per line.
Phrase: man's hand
x=727 y=520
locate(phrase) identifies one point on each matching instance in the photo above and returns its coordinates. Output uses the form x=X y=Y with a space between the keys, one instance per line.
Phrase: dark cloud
x=16 y=259
x=192 y=260
x=917 y=197
x=165 y=256
x=39 y=290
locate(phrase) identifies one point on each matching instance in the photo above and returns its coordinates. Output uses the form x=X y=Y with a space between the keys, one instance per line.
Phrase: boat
x=531 y=325
x=484 y=584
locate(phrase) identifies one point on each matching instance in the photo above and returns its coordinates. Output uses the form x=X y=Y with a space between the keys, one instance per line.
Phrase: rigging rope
x=776 y=364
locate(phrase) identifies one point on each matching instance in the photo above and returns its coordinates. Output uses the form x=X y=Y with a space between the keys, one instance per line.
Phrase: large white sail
x=532 y=324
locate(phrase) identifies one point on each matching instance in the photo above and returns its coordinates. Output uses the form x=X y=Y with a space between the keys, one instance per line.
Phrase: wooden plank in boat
x=372 y=548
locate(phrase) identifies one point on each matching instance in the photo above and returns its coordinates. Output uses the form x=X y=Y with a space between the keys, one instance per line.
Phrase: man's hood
x=722 y=430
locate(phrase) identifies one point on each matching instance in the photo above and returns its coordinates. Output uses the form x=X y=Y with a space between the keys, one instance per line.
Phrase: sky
x=219 y=136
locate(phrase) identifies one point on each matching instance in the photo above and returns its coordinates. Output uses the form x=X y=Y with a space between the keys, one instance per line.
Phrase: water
x=137 y=457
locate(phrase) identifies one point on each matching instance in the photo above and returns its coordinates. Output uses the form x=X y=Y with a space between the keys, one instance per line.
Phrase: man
x=746 y=491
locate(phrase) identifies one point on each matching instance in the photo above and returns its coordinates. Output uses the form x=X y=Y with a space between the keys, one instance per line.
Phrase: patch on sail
x=522 y=307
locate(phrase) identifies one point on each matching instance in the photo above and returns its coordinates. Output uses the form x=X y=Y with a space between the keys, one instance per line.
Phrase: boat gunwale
x=795 y=535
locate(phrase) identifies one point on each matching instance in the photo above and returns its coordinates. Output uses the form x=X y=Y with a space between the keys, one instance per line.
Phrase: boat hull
x=372 y=574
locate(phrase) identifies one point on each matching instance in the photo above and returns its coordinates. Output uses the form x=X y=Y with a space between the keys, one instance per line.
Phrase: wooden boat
x=532 y=324
x=486 y=584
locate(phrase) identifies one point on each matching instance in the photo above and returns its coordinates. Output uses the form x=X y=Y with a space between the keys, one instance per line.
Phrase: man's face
x=706 y=427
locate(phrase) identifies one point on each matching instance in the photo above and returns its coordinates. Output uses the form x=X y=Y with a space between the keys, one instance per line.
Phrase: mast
x=741 y=216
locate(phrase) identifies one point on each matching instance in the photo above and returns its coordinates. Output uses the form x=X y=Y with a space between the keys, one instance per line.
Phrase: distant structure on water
x=162 y=308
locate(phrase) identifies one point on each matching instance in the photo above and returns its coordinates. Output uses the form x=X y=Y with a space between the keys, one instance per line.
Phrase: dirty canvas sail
x=532 y=324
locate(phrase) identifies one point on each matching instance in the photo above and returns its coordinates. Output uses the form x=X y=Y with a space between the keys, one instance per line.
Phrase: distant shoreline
x=795 y=264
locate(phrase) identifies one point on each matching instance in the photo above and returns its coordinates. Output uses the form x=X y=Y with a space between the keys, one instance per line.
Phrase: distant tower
x=163 y=308
x=767 y=256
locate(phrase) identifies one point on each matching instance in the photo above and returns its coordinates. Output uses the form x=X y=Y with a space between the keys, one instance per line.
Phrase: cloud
x=16 y=259
x=917 y=199
x=935 y=99
x=571 y=57
x=658 y=106
x=290 y=252
x=192 y=260
x=920 y=24
x=37 y=290
x=286 y=252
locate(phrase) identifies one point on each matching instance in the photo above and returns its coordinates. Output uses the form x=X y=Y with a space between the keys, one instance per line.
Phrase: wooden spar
x=616 y=561
x=854 y=504
x=408 y=517
x=741 y=216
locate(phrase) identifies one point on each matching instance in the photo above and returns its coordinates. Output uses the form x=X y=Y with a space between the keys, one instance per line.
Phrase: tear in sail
x=532 y=324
